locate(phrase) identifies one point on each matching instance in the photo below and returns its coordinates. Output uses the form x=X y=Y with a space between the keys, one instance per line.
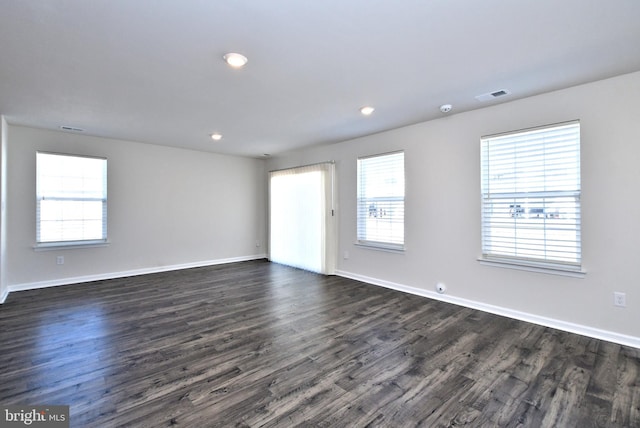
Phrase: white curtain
x=301 y=217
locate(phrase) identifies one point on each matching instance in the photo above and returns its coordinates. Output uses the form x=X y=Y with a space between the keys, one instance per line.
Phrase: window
x=71 y=199
x=381 y=200
x=531 y=197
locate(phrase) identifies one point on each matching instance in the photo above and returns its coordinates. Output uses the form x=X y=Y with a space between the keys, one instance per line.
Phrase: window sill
x=380 y=247
x=46 y=246
x=551 y=269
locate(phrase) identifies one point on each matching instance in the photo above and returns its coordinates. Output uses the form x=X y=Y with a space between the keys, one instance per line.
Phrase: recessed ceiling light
x=235 y=60
x=216 y=136
x=367 y=110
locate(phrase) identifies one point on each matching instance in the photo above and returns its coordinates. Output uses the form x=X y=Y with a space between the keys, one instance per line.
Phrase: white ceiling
x=152 y=70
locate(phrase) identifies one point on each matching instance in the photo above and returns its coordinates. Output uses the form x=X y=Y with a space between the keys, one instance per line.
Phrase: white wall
x=167 y=208
x=3 y=222
x=443 y=210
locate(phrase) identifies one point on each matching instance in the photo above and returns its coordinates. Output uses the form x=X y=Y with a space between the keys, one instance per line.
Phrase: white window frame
x=70 y=188
x=381 y=206
x=531 y=214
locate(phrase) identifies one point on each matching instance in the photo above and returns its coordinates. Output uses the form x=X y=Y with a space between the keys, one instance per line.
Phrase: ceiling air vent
x=492 y=95
x=71 y=128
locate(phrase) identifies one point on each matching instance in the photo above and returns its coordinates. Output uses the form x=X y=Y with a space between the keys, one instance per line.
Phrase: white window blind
x=71 y=199
x=381 y=200
x=531 y=196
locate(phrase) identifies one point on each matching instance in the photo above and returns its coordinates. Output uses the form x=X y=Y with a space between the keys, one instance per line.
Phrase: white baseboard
x=3 y=296
x=122 y=274
x=583 y=330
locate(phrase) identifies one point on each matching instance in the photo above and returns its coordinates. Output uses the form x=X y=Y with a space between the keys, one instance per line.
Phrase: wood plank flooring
x=256 y=344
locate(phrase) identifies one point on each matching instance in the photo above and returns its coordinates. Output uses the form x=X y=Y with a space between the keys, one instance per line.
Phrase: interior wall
x=167 y=208
x=443 y=241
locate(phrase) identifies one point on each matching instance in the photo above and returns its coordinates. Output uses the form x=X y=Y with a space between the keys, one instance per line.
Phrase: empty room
x=320 y=214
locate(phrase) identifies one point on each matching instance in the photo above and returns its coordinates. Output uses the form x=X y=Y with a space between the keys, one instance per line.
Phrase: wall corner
x=4 y=291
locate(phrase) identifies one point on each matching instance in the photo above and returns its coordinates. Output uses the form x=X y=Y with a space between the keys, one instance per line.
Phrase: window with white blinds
x=531 y=197
x=71 y=199
x=381 y=200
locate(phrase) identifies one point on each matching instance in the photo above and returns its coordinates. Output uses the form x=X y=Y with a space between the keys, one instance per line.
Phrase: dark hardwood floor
x=259 y=344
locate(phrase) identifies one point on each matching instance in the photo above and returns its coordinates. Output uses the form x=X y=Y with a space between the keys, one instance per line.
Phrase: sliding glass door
x=301 y=217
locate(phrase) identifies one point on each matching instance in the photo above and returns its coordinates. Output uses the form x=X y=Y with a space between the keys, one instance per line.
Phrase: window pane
x=536 y=229
x=70 y=220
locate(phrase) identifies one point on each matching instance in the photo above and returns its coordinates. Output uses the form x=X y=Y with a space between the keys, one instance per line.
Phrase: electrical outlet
x=345 y=255
x=619 y=299
x=60 y=260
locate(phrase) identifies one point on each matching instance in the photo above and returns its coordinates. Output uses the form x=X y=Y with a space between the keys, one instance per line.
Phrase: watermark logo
x=34 y=416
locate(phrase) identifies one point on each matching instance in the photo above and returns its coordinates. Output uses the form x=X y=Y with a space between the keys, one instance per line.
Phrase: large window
x=71 y=199
x=531 y=197
x=381 y=200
